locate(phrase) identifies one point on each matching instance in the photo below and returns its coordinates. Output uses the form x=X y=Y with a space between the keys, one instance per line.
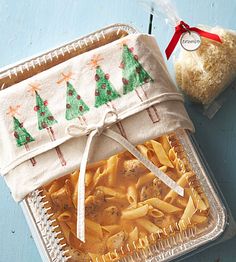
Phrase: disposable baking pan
x=46 y=232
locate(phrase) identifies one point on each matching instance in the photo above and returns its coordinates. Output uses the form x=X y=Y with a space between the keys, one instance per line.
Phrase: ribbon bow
x=181 y=28
x=110 y=117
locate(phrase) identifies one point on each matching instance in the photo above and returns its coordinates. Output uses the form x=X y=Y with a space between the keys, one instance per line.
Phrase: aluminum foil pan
x=46 y=232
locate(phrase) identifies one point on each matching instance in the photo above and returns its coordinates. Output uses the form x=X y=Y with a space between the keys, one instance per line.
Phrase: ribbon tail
x=155 y=170
x=173 y=42
x=81 y=189
x=206 y=34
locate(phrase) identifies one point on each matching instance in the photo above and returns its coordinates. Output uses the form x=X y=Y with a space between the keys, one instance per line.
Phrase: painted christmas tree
x=105 y=91
x=22 y=136
x=133 y=76
x=75 y=105
x=133 y=73
x=45 y=119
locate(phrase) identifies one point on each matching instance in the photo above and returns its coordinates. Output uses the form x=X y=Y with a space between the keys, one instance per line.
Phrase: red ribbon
x=181 y=28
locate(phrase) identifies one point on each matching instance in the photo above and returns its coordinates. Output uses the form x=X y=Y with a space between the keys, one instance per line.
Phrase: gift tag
x=190 y=41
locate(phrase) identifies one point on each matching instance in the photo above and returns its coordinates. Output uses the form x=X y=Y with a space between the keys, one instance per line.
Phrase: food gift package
x=205 y=72
x=95 y=144
x=204 y=57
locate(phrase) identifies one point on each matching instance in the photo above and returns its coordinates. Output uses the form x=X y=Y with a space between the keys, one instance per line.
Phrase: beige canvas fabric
x=151 y=109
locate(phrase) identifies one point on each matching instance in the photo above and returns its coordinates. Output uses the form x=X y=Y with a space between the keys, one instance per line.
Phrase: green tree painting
x=75 y=106
x=45 y=117
x=20 y=133
x=105 y=91
x=133 y=73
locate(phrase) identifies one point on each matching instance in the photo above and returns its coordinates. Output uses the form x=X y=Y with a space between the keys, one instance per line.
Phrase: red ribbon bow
x=181 y=28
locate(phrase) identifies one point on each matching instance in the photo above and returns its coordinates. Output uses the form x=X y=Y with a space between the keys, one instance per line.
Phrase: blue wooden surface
x=29 y=27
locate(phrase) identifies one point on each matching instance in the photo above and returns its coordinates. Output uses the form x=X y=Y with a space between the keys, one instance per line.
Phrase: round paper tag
x=190 y=41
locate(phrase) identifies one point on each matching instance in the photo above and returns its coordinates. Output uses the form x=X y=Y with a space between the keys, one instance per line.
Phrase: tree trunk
x=119 y=124
x=82 y=120
x=58 y=150
x=32 y=160
x=152 y=111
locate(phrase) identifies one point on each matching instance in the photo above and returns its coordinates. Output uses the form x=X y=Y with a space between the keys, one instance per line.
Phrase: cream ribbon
x=110 y=117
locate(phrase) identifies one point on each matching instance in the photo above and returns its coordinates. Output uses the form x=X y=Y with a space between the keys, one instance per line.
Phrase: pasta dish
x=127 y=208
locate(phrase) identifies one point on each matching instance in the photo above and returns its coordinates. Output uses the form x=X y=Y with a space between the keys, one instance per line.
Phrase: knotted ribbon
x=181 y=28
x=110 y=117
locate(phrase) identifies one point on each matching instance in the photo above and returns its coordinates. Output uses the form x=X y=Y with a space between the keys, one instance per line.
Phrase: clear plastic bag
x=206 y=72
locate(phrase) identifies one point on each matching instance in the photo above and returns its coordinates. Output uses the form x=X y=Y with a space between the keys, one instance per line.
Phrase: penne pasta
x=116 y=241
x=185 y=220
x=183 y=181
x=199 y=219
x=133 y=236
x=149 y=153
x=112 y=166
x=161 y=154
x=127 y=225
x=69 y=186
x=145 y=179
x=89 y=200
x=180 y=167
x=88 y=178
x=112 y=229
x=165 y=143
x=148 y=225
x=197 y=200
x=144 y=150
x=172 y=156
x=111 y=192
x=75 y=195
x=154 y=212
x=162 y=205
x=132 y=195
x=99 y=176
x=65 y=216
x=95 y=165
x=127 y=207
x=163 y=168
x=205 y=199
x=74 y=177
x=135 y=213
x=111 y=200
x=181 y=201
